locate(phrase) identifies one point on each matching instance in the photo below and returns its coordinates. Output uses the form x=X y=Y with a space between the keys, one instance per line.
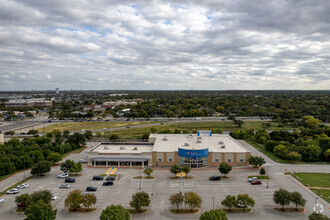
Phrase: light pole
x=213 y=202
x=24 y=167
x=267 y=174
x=140 y=180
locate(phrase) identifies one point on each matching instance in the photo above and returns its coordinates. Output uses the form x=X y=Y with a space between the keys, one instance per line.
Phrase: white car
x=63 y=175
x=13 y=191
x=2 y=201
x=253 y=178
x=24 y=185
x=82 y=161
x=53 y=197
x=65 y=185
x=84 y=193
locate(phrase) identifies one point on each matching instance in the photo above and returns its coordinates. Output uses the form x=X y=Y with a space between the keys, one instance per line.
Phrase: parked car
x=70 y=180
x=13 y=191
x=240 y=205
x=256 y=182
x=107 y=183
x=215 y=178
x=91 y=188
x=84 y=193
x=252 y=178
x=97 y=178
x=65 y=186
x=82 y=161
x=20 y=205
x=63 y=175
x=24 y=185
x=2 y=201
x=110 y=178
x=53 y=197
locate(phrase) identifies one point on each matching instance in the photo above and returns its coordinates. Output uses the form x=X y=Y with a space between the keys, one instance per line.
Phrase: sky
x=164 y=45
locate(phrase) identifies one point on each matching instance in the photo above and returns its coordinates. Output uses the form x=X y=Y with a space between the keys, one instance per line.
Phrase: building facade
x=163 y=150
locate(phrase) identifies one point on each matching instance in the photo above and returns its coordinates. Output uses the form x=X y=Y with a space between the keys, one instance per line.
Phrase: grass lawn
x=323 y=193
x=314 y=179
x=189 y=126
x=260 y=177
x=78 y=126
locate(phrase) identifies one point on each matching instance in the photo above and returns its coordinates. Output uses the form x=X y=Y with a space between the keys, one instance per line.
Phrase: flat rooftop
x=120 y=148
x=218 y=143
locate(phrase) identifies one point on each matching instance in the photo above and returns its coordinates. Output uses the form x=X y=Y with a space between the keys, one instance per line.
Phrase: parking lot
x=162 y=187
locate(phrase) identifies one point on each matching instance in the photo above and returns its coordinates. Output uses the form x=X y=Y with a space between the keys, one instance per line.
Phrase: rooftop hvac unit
x=199 y=137
x=190 y=135
x=186 y=144
x=199 y=141
x=223 y=146
x=164 y=139
x=135 y=148
x=106 y=148
x=122 y=148
x=220 y=142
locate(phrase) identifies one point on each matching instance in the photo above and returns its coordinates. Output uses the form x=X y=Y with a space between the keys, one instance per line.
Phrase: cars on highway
x=107 y=183
x=256 y=182
x=70 y=180
x=13 y=191
x=215 y=178
x=91 y=188
x=65 y=186
x=63 y=175
x=2 y=201
x=97 y=178
x=24 y=185
x=252 y=178
x=54 y=197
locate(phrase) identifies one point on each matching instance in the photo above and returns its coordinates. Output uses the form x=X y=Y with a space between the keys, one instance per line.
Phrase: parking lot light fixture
x=213 y=202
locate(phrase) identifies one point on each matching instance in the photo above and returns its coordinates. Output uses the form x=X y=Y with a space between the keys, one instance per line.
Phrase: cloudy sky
x=217 y=44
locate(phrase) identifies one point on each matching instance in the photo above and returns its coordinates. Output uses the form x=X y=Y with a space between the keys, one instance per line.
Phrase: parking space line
x=108 y=171
x=114 y=169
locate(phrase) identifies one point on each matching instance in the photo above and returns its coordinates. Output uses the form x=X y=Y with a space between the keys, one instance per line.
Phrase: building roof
x=218 y=143
x=120 y=148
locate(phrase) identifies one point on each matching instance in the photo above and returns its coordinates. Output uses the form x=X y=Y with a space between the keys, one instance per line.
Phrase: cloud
x=179 y=44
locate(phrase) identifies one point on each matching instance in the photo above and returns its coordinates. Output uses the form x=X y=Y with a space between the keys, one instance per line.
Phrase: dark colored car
x=256 y=182
x=91 y=188
x=110 y=178
x=97 y=178
x=70 y=180
x=107 y=183
x=215 y=178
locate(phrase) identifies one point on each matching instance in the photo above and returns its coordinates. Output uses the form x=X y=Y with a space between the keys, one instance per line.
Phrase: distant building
x=97 y=108
x=28 y=103
x=123 y=102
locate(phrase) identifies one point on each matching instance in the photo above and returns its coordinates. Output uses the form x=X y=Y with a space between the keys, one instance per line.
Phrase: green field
x=323 y=193
x=78 y=126
x=314 y=179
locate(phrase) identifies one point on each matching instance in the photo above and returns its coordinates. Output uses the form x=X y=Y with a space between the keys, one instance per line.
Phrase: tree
x=224 y=168
x=281 y=151
x=66 y=133
x=88 y=134
x=186 y=169
x=41 y=168
x=32 y=131
x=256 y=161
x=148 y=171
x=245 y=200
x=77 y=139
x=145 y=136
x=192 y=200
x=76 y=168
x=238 y=122
x=317 y=216
x=73 y=200
x=175 y=169
x=114 y=137
x=310 y=122
x=115 y=212
x=282 y=197
x=140 y=199
x=24 y=199
x=11 y=133
x=54 y=157
x=216 y=214
x=66 y=166
x=297 y=199
x=262 y=171
x=40 y=211
x=311 y=152
x=229 y=201
x=88 y=200
x=177 y=199
x=44 y=195
x=294 y=156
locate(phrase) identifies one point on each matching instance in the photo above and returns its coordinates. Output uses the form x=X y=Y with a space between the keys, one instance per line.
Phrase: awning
x=120 y=159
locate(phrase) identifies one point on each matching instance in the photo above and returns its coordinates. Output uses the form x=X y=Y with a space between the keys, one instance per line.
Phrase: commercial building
x=162 y=150
x=29 y=103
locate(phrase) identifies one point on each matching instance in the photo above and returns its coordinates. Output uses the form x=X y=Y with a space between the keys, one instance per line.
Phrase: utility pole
x=24 y=167
x=213 y=202
x=140 y=180
x=267 y=174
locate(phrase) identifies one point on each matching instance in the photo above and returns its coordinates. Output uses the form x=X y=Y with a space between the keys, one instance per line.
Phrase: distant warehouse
x=203 y=149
